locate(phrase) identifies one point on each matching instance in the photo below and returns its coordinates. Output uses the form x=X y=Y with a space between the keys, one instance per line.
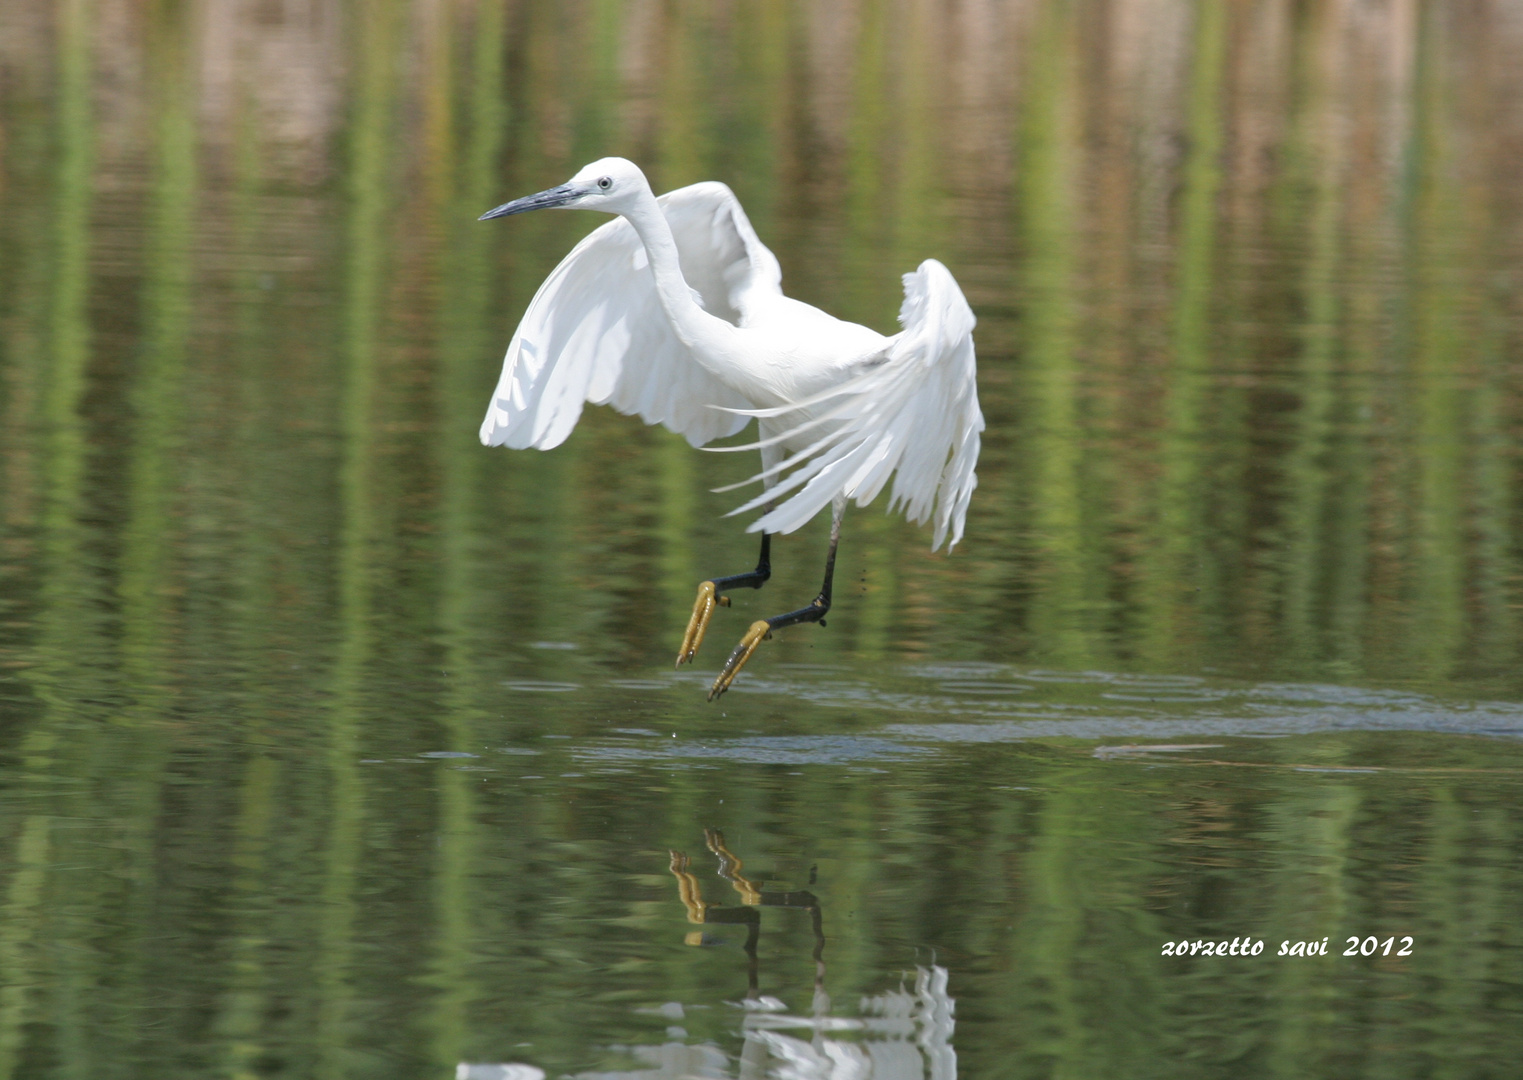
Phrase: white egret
x=675 y=313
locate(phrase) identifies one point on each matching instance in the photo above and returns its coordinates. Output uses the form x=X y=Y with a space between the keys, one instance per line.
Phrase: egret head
x=609 y=184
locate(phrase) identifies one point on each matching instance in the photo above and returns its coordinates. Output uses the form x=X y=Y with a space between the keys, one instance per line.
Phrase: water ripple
x=763 y=750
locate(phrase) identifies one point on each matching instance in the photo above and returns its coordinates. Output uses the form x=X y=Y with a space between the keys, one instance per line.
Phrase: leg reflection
x=902 y=1034
x=705 y=912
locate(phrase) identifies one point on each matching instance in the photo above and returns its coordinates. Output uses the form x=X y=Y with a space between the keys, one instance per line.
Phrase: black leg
x=754 y=579
x=710 y=597
x=762 y=629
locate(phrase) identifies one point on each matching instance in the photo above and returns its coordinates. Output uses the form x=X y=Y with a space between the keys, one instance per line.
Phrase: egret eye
x=605 y=182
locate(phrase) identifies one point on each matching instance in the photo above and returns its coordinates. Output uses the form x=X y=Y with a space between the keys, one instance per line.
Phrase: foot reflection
x=702 y=912
x=903 y=1034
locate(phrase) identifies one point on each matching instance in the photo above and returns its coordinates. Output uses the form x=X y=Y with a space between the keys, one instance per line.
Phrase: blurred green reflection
x=335 y=744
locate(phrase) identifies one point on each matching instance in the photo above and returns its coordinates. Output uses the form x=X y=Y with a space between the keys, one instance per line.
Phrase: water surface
x=333 y=744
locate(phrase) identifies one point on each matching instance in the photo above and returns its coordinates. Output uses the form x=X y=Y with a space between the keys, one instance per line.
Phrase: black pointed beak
x=556 y=196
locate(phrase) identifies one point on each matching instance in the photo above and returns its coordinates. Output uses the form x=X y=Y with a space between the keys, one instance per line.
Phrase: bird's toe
x=698 y=622
x=760 y=631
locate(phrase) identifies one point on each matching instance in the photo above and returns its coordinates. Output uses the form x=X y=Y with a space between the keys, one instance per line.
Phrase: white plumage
x=675 y=313
x=595 y=331
x=910 y=411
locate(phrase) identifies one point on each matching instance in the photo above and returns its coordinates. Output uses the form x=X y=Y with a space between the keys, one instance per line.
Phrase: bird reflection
x=704 y=913
x=904 y=1033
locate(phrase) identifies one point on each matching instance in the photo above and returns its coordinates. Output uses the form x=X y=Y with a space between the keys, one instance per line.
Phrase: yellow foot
x=760 y=631
x=698 y=622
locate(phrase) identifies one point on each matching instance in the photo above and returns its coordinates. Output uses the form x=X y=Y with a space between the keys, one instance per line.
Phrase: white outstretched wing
x=596 y=332
x=912 y=413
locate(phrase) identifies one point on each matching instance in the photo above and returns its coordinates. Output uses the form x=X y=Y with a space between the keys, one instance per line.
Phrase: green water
x=335 y=745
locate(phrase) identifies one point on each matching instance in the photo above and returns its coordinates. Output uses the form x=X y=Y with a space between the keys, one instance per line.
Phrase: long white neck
x=694 y=326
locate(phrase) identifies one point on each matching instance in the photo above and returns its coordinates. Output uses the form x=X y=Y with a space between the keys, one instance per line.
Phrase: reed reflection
x=1246 y=279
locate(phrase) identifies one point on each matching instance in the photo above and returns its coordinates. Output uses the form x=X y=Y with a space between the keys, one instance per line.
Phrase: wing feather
x=913 y=417
x=596 y=332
